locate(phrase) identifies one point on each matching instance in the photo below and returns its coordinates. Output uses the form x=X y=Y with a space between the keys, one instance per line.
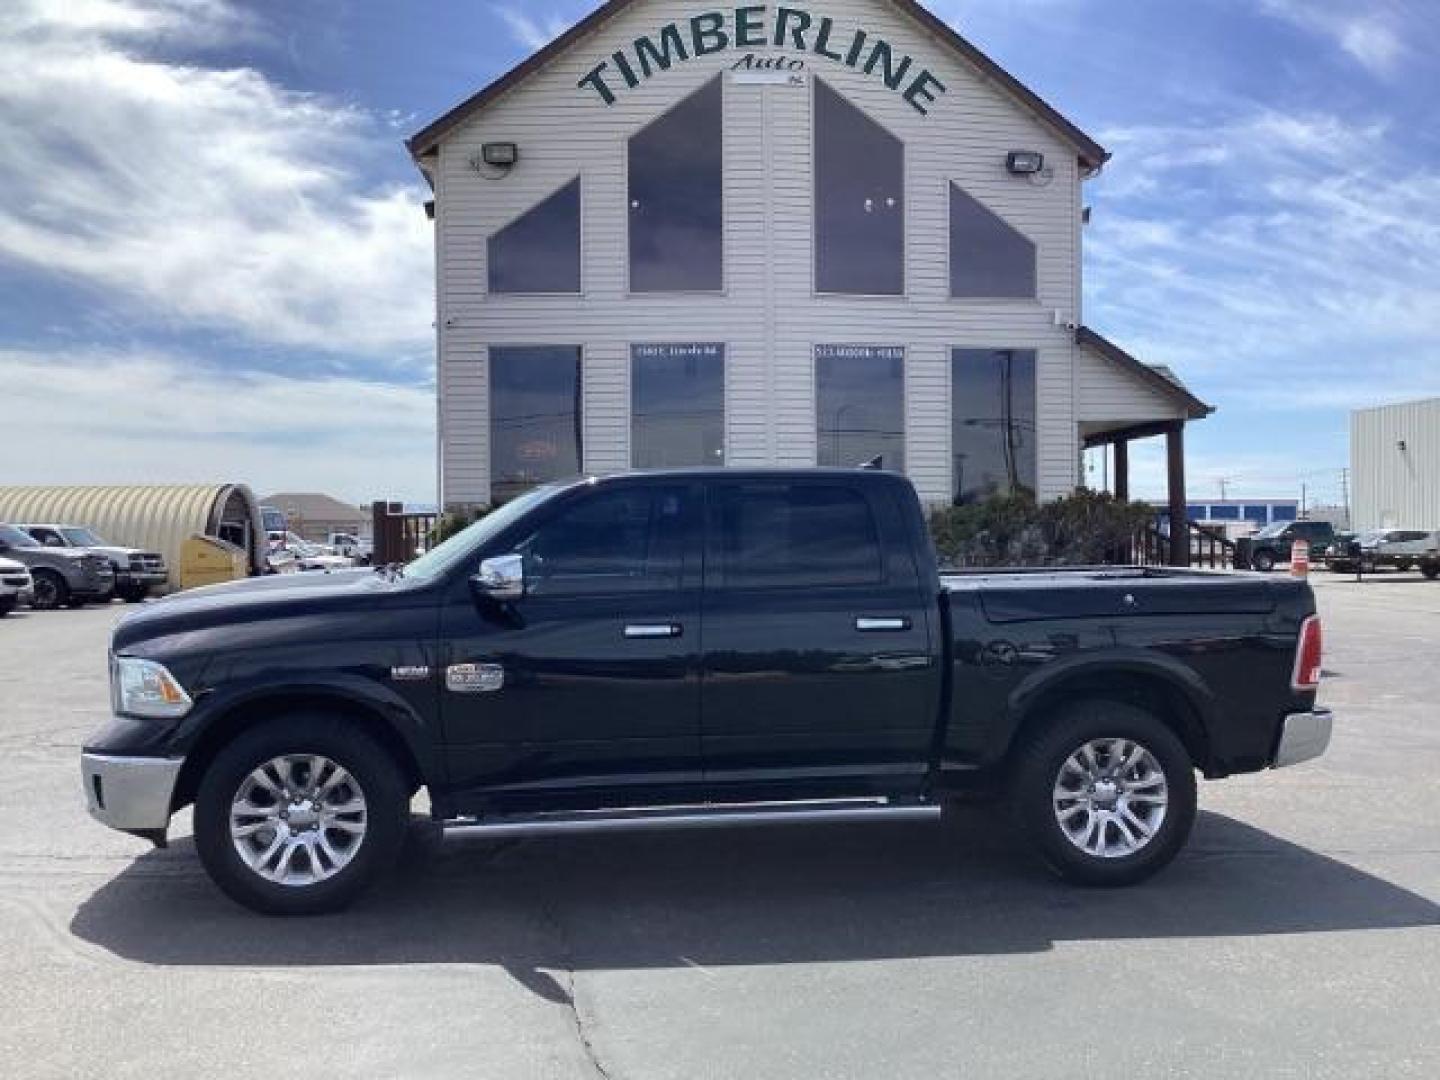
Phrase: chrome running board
x=694 y=817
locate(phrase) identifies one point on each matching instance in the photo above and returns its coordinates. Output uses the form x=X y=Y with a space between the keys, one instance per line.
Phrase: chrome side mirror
x=501 y=578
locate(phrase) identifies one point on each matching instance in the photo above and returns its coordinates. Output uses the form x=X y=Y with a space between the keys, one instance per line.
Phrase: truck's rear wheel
x=1106 y=793
x=51 y=592
x=1263 y=561
x=300 y=815
x=1430 y=570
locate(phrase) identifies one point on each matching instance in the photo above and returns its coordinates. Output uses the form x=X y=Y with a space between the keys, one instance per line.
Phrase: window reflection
x=988 y=257
x=860 y=403
x=992 y=398
x=859 y=201
x=535 y=416
x=677 y=405
x=539 y=252
x=677 y=197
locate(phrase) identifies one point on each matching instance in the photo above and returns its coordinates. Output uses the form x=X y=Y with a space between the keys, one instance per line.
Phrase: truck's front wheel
x=300 y=815
x=1106 y=793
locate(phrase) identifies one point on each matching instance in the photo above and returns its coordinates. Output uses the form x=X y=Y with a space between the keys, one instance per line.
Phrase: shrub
x=1086 y=528
x=455 y=522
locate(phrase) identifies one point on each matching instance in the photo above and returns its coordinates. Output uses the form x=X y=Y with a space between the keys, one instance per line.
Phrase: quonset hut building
x=820 y=233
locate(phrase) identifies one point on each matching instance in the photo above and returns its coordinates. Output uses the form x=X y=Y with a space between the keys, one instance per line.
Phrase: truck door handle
x=653 y=631
x=870 y=624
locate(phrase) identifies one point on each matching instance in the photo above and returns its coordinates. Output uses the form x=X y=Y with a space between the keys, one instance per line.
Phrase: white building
x=1395 y=466
x=815 y=233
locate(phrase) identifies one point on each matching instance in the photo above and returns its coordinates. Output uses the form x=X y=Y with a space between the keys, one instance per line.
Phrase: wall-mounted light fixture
x=1024 y=162
x=500 y=155
x=1402 y=446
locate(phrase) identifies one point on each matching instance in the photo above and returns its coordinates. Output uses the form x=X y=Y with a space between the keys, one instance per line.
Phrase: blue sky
x=214 y=263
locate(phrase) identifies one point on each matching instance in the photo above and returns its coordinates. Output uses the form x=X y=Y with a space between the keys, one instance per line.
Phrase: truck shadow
x=747 y=897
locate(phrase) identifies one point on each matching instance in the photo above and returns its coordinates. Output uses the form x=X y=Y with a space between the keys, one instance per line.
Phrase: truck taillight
x=1309 y=656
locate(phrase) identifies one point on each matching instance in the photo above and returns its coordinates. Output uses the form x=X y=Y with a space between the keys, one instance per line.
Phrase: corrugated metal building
x=1395 y=466
x=153 y=517
x=816 y=233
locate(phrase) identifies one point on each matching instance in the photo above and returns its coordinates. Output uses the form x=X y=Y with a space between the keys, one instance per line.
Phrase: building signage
x=702 y=350
x=859 y=352
x=793 y=31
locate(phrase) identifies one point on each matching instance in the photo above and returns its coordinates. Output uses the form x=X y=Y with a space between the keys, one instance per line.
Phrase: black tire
x=7 y=606
x=1430 y=570
x=1404 y=566
x=1263 y=561
x=377 y=775
x=1038 y=769
x=51 y=592
x=133 y=594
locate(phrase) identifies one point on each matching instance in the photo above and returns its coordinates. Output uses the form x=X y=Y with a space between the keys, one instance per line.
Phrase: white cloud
x=1368 y=33
x=531 y=30
x=1281 y=261
x=207 y=196
x=102 y=416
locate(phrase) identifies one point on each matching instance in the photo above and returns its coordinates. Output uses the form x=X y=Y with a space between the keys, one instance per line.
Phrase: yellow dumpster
x=204 y=560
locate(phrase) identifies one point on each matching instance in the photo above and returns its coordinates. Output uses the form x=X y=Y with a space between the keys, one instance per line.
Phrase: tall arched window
x=677 y=197
x=539 y=252
x=859 y=201
x=988 y=257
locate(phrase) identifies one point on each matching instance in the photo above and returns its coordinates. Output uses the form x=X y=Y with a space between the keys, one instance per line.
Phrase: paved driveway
x=1299 y=935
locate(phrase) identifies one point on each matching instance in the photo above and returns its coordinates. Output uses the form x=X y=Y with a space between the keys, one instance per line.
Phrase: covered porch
x=1120 y=400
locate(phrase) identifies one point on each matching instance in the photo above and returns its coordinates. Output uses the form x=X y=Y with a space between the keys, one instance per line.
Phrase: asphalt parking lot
x=1299 y=936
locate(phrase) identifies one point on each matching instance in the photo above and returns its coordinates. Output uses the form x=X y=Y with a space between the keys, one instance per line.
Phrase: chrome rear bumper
x=1304 y=737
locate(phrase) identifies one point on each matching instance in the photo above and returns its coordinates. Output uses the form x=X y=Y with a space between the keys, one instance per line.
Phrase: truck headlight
x=145 y=688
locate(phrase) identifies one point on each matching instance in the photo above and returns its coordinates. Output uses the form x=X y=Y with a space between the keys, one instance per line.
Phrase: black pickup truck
x=693 y=648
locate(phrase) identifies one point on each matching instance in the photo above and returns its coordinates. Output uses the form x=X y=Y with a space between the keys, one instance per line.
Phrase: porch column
x=1179 y=530
x=1122 y=469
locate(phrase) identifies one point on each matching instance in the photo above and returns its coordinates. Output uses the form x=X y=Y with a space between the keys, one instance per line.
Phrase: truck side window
x=631 y=540
x=796 y=536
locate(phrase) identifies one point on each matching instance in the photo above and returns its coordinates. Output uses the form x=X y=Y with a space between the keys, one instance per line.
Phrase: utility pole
x=1345 y=497
x=1225 y=482
x=1304 y=500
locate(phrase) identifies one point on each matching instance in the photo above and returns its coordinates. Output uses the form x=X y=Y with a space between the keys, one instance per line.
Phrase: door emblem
x=474 y=678
x=413 y=673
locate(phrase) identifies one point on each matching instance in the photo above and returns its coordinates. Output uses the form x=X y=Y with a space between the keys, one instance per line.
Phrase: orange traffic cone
x=1300 y=559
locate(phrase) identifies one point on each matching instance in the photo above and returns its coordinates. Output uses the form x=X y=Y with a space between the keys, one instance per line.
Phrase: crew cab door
x=585 y=692
x=819 y=677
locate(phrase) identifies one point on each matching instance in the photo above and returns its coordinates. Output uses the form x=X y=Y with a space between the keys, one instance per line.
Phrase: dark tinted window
x=859 y=201
x=1284 y=513
x=539 y=252
x=534 y=416
x=795 y=535
x=677 y=405
x=617 y=541
x=860 y=405
x=677 y=198
x=1225 y=513
x=1259 y=514
x=993 y=440
x=988 y=258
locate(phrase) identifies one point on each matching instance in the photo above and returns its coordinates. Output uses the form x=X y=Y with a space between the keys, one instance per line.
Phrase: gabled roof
x=1091 y=154
x=1158 y=378
x=315 y=506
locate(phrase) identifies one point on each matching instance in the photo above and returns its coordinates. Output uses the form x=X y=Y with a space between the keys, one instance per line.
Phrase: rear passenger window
x=614 y=542
x=795 y=536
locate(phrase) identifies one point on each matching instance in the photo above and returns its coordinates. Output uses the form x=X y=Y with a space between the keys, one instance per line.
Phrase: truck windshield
x=442 y=559
x=1272 y=531
x=13 y=537
x=82 y=538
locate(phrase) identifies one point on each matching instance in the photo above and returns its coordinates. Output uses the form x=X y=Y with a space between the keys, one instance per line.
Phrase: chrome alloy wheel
x=1110 y=798
x=298 y=820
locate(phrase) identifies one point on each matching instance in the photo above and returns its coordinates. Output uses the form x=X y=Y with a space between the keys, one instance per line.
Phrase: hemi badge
x=416 y=673
x=474 y=678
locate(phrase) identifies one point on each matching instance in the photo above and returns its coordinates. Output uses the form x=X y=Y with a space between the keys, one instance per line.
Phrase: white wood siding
x=768 y=316
x=1114 y=398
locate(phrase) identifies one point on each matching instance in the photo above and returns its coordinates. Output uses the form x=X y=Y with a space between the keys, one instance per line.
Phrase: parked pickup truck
x=137 y=573
x=1274 y=545
x=16 y=588
x=693 y=648
x=62 y=576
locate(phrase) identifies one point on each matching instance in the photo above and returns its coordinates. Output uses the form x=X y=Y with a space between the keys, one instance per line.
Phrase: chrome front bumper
x=1305 y=736
x=129 y=793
